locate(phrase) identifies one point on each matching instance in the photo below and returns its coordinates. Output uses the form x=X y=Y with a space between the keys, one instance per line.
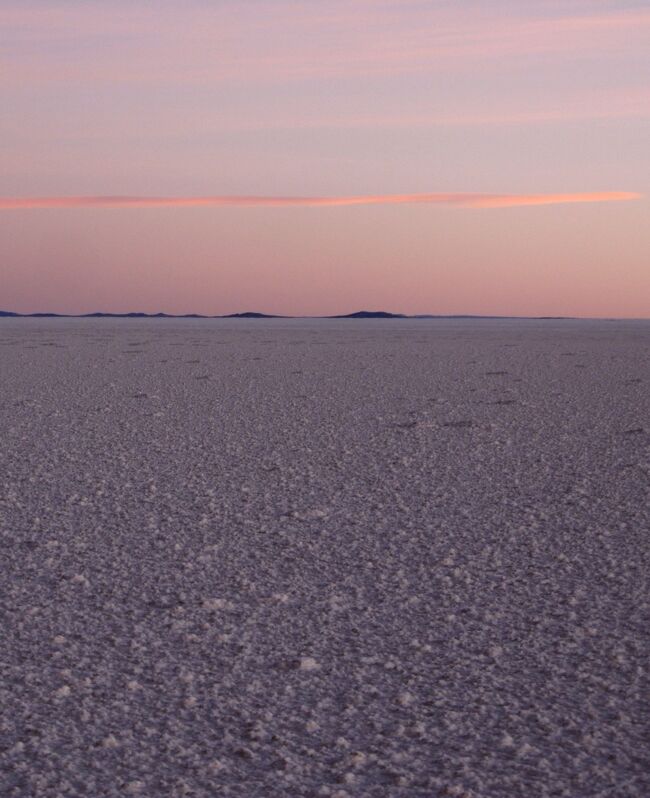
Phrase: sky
x=216 y=156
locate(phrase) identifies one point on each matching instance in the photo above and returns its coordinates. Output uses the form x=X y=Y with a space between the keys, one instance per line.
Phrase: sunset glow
x=369 y=112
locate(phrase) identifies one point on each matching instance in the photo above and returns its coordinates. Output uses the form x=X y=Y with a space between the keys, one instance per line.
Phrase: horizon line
x=357 y=315
x=456 y=199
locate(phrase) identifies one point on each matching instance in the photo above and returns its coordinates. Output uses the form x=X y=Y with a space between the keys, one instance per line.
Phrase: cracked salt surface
x=324 y=558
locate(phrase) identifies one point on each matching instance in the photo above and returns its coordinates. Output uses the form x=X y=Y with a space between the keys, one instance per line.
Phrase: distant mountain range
x=359 y=314
x=99 y=315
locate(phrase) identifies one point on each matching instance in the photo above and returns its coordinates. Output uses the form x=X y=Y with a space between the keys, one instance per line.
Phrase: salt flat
x=325 y=558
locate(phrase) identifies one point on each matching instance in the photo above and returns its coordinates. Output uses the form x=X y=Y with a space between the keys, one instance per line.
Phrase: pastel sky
x=308 y=157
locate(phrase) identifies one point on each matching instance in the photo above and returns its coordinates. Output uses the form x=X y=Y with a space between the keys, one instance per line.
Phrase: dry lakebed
x=324 y=558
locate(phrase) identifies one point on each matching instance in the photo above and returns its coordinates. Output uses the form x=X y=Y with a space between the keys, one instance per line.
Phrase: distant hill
x=250 y=314
x=10 y=314
x=100 y=315
x=370 y=314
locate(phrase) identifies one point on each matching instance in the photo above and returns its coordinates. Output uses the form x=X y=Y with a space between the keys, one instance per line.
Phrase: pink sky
x=301 y=157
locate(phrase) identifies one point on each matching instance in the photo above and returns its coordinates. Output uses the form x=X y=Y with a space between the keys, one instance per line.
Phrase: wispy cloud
x=459 y=200
x=199 y=43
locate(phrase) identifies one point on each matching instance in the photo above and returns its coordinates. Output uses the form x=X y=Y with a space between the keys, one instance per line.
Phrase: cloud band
x=456 y=200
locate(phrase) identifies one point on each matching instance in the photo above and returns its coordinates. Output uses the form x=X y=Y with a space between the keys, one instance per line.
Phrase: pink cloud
x=460 y=200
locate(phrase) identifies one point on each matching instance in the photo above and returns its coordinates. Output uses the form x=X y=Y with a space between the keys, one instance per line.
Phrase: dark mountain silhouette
x=360 y=314
x=251 y=314
x=370 y=314
x=139 y=315
x=100 y=315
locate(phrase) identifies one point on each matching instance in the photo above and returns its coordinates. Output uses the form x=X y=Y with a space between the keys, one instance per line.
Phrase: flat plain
x=325 y=558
